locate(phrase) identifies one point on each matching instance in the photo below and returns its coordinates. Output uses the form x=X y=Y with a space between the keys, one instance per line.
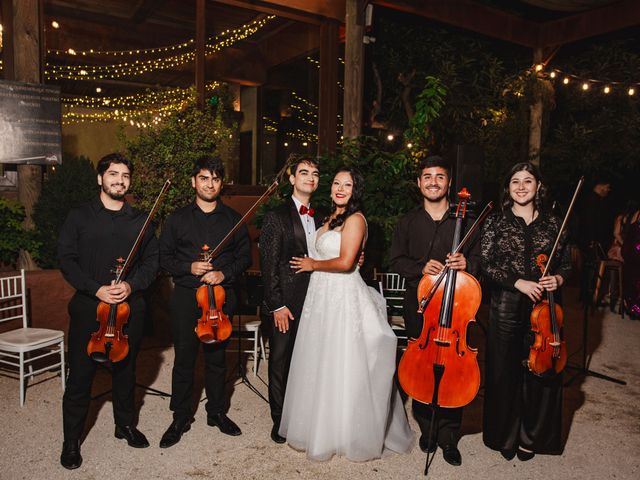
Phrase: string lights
x=139 y=66
x=141 y=110
x=587 y=84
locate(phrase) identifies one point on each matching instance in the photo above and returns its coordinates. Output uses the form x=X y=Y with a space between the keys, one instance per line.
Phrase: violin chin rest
x=99 y=357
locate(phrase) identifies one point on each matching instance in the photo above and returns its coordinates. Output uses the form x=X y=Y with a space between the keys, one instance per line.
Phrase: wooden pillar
x=6 y=17
x=328 y=108
x=27 y=43
x=201 y=40
x=535 y=116
x=258 y=140
x=353 y=68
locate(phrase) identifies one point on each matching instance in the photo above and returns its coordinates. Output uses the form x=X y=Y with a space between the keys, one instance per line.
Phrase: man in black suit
x=287 y=232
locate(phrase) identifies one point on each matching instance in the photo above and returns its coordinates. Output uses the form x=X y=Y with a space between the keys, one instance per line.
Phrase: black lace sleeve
x=493 y=252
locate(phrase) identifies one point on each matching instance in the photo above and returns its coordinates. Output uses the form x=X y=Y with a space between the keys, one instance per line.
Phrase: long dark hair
x=538 y=201
x=355 y=202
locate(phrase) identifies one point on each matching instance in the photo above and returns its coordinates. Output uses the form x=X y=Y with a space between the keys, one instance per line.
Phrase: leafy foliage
x=487 y=97
x=14 y=236
x=591 y=133
x=429 y=103
x=169 y=150
x=71 y=184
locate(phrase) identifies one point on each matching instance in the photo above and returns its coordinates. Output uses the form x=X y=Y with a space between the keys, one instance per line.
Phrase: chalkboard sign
x=30 y=123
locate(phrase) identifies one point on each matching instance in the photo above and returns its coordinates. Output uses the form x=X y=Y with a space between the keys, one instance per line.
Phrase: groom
x=287 y=232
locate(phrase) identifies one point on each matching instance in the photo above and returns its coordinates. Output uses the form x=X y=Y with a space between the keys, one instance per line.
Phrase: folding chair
x=16 y=345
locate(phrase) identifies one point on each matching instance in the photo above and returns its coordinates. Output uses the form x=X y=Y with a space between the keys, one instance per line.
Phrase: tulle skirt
x=341 y=397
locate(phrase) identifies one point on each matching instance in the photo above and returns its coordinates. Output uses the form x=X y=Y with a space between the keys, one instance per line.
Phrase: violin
x=548 y=352
x=109 y=343
x=213 y=326
x=439 y=367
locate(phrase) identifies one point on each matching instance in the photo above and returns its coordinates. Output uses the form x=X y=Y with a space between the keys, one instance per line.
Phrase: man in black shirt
x=92 y=238
x=205 y=222
x=421 y=245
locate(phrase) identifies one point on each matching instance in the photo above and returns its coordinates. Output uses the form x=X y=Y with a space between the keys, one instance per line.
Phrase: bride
x=340 y=397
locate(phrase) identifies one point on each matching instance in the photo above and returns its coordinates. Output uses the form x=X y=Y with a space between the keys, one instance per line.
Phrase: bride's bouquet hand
x=302 y=264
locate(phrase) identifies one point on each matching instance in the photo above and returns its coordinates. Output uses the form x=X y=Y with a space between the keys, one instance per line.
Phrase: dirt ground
x=601 y=425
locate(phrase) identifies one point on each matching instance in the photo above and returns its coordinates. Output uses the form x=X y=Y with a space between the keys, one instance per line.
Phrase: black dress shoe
x=70 y=457
x=427 y=446
x=135 y=438
x=174 y=432
x=523 y=455
x=224 y=423
x=451 y=455
x=508 y=454
x=275 y=436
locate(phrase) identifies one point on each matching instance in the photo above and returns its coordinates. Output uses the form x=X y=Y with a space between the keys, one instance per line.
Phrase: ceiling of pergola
x=291 y=35
x=131 y=25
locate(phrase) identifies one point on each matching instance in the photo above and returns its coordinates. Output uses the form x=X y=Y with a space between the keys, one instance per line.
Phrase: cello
x=109 y=343
x=439 y=368
x=548 y=350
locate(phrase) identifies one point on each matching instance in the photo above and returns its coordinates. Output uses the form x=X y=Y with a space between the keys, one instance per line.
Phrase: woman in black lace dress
x=522 y=412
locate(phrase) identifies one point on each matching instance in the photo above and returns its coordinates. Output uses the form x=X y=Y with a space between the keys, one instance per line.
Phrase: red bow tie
x=306 y=211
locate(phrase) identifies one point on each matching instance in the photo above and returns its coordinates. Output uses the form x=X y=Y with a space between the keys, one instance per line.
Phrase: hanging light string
x=141 y=110
x=132 y=101
x=140 y=66
x=585 y=83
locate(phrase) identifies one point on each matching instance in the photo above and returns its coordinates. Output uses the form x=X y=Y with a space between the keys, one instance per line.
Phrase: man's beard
x=211 y=199
x=114 y=195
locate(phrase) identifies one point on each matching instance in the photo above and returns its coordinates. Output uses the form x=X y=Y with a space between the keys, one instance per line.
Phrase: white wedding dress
x=340 y=397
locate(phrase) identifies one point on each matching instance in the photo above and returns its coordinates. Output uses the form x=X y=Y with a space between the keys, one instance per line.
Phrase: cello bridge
x=442 y=343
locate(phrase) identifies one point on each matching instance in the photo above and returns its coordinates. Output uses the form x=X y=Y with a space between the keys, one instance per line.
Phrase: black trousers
x=184 y=316
x=82 y=369
x=448 y=421
x=280 y=352
x=520 y=409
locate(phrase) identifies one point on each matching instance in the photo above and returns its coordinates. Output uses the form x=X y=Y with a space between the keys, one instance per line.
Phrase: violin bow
x=563 y=226
x=122 y=271
x=272 y=188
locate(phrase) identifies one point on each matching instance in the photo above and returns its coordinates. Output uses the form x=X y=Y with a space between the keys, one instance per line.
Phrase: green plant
x=71 y=184
x=429 y=103
x=14 y=236
x=169 y=150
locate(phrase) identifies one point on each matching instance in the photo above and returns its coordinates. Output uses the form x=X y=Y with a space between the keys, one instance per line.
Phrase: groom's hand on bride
x=281 y=319
x=301 y=264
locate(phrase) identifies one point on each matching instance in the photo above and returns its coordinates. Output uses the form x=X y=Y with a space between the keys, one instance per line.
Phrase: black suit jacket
x=282 y=237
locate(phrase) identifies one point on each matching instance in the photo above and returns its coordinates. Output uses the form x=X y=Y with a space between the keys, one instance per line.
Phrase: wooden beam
x=144 y=8
x=28 y=35
x=7 y=39
x=353 y=68
x=328 y=105
x=294 y=42
x=307 y=11
x=201 y=40
x=471 y=16
x=590 y=23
